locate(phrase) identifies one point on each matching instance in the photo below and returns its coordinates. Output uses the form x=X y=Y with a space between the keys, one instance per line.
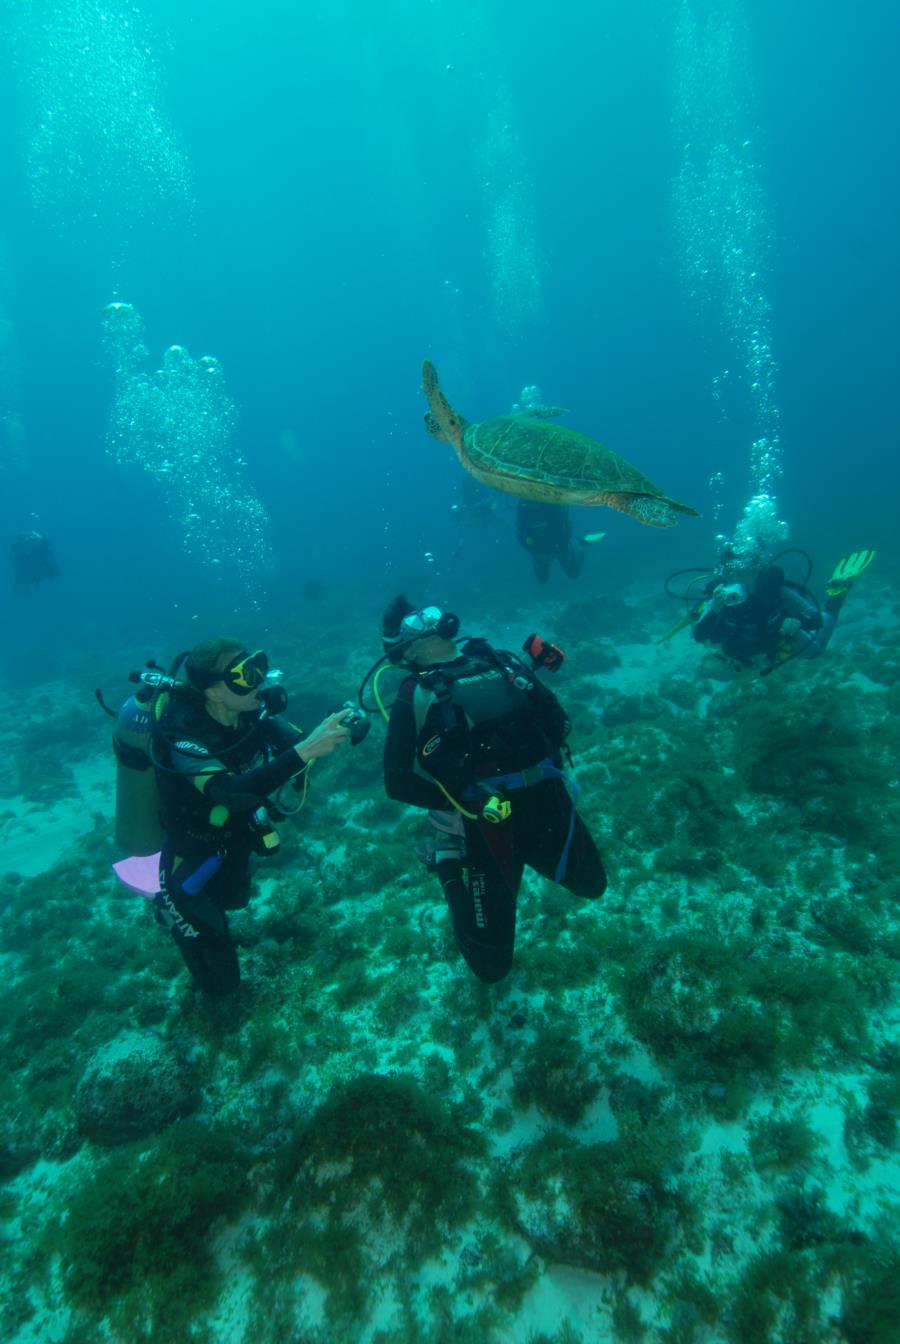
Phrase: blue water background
x=341 y=235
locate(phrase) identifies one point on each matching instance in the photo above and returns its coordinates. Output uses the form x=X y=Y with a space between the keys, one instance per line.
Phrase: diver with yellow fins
x=203 y=762
x=761 y=618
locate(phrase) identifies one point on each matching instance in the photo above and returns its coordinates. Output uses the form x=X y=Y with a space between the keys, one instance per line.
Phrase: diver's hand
x=323 y=740
x=789 y=628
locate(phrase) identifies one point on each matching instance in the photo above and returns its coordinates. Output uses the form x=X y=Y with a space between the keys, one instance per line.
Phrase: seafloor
x=676 y=1121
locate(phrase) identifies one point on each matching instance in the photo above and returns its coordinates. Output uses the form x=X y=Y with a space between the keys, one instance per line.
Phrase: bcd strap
x=525 y=779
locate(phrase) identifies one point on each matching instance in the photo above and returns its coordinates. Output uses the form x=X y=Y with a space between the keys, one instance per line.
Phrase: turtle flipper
x=651 y=510
x=449 y=426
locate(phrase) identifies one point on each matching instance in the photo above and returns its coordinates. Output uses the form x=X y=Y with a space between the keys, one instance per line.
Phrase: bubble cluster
x=530 y=399
x=758 y=535
x=723 y=227
x=177 y=424
x=511 y=252
x=99 y=145
x=716 y=484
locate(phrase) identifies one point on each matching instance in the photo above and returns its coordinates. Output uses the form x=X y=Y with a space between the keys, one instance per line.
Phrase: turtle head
x=433 y=425
x=435 y=428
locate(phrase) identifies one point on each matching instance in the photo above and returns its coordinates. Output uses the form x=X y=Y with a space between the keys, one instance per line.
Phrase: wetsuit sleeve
x=242 y=792
x=281 y=734
x=401 y=781
x=246 y=790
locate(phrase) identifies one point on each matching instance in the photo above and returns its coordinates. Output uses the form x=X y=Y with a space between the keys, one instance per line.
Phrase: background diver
x=768 y=617
x=475 y=507
x=33 y=561
x=477 y=739
x=545 y=532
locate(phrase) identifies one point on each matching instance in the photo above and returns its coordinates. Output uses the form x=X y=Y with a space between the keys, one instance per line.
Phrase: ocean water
x=230 y=235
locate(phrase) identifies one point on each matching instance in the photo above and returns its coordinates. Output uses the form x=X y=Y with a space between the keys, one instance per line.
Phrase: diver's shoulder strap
x=175 y=731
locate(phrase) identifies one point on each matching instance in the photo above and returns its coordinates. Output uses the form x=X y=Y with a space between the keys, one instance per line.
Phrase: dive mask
x=429 y=621
x=419 y=624
x=246 y=673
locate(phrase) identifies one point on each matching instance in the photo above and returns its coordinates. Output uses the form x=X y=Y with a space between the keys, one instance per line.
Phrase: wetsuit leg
x=213 y=963
x=197 y=920
x=541 y=568
x=817 y=642
x=542 y=816
x=572 y=559
x=483 y=908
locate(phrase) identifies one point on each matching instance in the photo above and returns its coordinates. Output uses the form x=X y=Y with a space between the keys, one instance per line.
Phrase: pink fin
x=140 y=873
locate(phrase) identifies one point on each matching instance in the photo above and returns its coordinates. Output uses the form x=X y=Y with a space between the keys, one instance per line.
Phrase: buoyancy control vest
x=184 y=730
x=484 y=714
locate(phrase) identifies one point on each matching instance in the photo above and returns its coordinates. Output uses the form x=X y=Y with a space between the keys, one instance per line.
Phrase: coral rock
x=133 y=1086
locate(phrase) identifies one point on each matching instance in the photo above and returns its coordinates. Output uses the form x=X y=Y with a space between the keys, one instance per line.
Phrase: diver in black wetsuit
x=473 y=730
x=32 y=560
x=474 y=510
x=545 y=532
x=476 y=504
x=221 y=757
x=771 y=620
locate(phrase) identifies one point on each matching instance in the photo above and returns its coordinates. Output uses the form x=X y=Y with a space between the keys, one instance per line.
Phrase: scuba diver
x=477 y=502
x=475 y=507
x=761 y=615
x=32 y=560
x=545 y=531
x=221 y=753
x=473 y=727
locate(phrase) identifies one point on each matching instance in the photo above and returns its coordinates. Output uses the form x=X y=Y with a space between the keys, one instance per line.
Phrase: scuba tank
x=138 y=828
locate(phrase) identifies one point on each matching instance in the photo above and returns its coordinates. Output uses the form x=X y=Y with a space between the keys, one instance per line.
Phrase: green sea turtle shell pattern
x=556 y=455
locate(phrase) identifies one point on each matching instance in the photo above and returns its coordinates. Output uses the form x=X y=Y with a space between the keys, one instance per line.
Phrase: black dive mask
x=246 y=672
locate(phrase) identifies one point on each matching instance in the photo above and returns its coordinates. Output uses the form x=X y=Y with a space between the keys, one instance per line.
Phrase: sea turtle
x=536 y=460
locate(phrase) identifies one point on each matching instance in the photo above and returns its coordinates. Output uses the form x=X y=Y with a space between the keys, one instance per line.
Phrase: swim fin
x=681 y=624
x=847 y=571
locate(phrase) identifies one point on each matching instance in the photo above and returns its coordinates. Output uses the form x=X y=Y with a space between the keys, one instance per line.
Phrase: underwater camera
x=354 y=721
x=543 y=654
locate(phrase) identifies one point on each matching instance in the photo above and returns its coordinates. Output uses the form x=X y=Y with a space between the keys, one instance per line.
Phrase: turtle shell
x=552 y=462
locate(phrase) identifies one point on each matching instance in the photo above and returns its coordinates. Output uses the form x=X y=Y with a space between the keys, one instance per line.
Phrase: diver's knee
x=490 y=965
